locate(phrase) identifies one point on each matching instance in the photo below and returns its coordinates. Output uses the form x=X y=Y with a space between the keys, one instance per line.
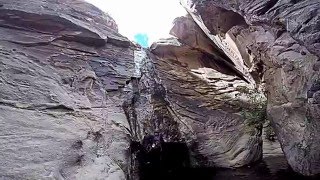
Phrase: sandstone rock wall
x=210 y=98
x=282 y=42
x=74 y=93
x=63 y=72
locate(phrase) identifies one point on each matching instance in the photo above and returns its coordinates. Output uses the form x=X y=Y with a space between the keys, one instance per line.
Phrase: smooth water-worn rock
x=280 y=43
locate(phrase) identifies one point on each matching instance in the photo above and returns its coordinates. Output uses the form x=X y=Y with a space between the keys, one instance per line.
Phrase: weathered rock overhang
x=280 y=46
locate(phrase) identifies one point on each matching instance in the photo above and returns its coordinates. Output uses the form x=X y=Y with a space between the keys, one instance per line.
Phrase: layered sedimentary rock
x=218 y=111
x=279 y=42
x=75 y=94
x=63 y=72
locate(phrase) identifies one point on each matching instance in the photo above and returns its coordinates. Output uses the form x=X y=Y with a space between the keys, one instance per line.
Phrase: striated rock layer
x=75 y=94
x=279 y=42
x=78 y=100
x=218 y=111
x=63 y=72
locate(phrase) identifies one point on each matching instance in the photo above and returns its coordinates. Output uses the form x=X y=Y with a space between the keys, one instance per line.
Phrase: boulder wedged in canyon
x=63 y=72
x=279 y=42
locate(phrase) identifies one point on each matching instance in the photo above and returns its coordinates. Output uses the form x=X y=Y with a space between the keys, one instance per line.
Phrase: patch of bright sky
x=142 y=39
x=142 y=20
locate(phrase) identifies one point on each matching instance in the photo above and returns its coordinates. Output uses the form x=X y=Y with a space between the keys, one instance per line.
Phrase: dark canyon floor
x=274 y=168
x=172 y=163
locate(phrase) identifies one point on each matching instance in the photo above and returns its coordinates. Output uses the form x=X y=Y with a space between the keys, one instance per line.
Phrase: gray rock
x=219 y=114
x=74 y=93
x=63 y=69
x=281 y=45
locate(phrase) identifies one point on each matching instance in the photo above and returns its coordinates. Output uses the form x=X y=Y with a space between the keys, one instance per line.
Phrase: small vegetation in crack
x=243 y=89
x=256 y=113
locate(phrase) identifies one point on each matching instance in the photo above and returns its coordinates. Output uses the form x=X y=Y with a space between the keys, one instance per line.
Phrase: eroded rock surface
x=74 y=93
x=63 y=72
x=210 y=98
x=280 y=44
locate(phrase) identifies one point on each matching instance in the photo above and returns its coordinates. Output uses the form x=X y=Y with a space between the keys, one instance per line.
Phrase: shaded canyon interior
x=237 y=83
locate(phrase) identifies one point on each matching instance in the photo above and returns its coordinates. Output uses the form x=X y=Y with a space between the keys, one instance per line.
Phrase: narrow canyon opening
x=232 y=93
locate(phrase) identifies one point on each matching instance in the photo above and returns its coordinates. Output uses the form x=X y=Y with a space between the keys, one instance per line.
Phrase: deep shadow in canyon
x=159 y=160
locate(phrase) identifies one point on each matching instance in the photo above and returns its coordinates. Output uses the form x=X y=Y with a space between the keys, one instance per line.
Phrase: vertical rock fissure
x=151 y=124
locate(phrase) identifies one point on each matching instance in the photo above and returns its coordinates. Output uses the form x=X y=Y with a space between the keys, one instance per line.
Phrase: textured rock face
x=74 y=93
x=282 y=41
x=216 y=108
x=63 y=72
